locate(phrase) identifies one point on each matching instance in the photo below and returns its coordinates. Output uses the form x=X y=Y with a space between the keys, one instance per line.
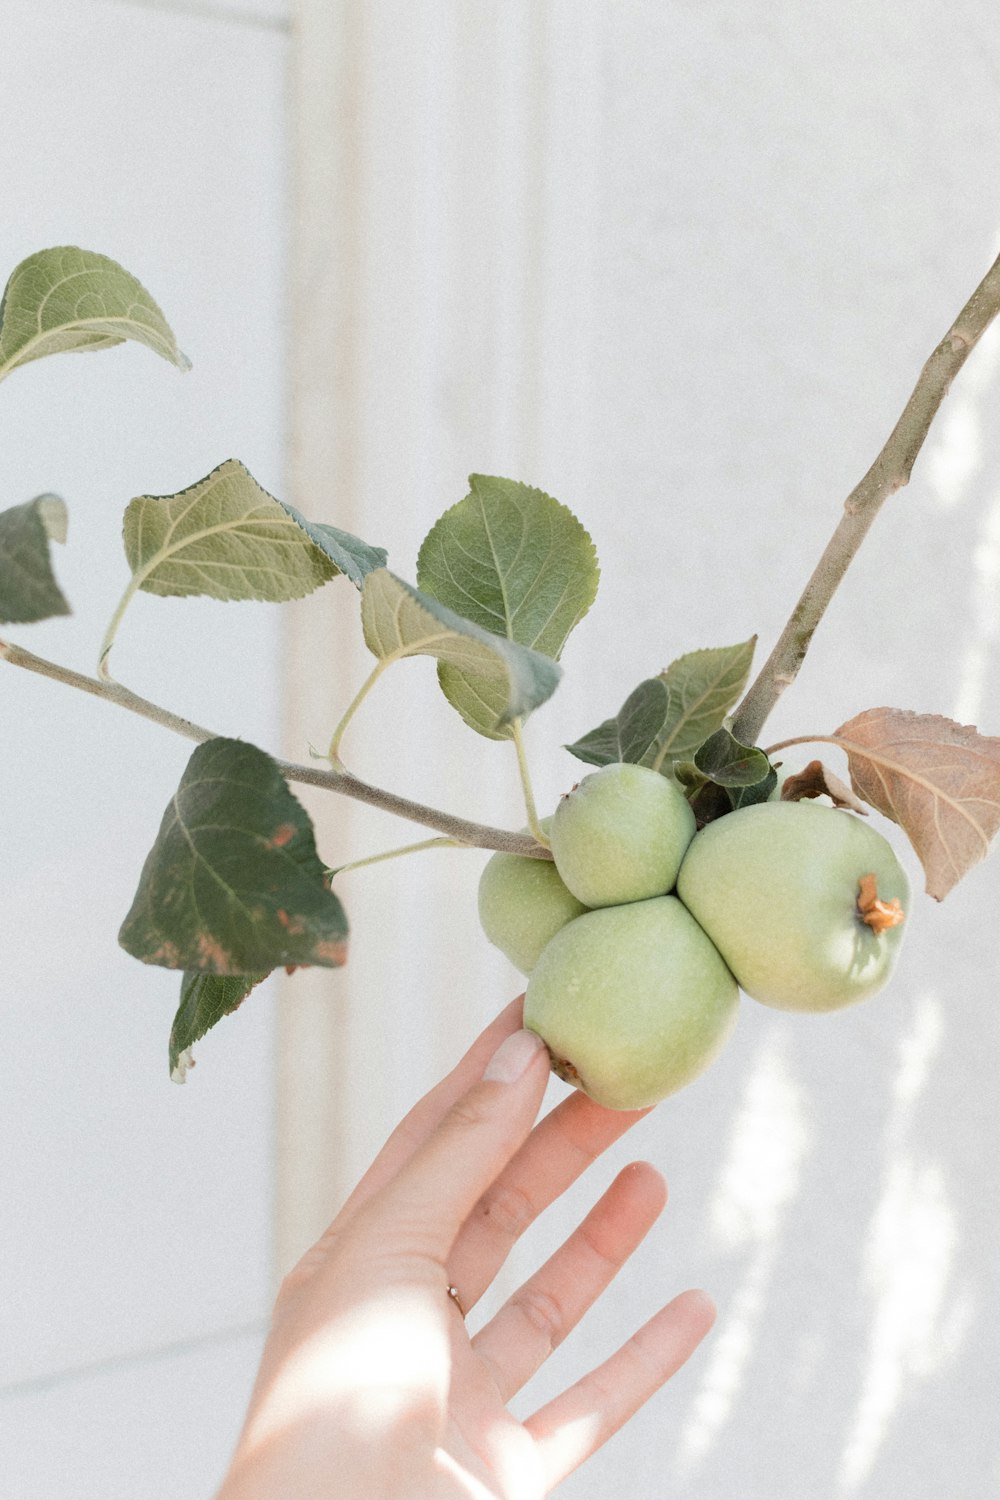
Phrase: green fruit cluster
x=640 y=932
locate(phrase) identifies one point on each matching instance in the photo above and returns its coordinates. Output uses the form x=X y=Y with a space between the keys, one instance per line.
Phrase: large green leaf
x=228 y=538
x=666 y=718
x=233 y=884
x=515 y=562
x=205 y=999
x=504 y=680
x=70 y=300
x=28 y=589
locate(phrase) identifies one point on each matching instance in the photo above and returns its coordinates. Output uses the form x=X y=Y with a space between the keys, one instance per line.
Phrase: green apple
x=803 y=902
x=620 y=835
x=523 y=903
x=632 y=1002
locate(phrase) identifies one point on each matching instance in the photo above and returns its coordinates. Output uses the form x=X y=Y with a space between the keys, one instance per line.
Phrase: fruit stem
x=877 y=914
x=376 y=859
x=334 y=779
x=890 y=471
x=529 y=796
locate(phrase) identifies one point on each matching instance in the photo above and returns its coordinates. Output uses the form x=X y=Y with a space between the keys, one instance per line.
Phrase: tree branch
x=462 y=830
x=890 y=471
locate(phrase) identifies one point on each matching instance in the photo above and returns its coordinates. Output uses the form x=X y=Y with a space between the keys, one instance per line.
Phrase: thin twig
x=404 y=849
x=890 y=471
x=462 y=830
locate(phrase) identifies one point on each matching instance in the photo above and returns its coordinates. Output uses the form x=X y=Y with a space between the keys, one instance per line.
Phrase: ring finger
x=521 y=1336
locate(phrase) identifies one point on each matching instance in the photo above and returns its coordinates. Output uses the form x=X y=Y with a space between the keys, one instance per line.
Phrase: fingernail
x=513 y=1057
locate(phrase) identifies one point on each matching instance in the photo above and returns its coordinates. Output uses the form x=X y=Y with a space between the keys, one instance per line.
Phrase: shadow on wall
x=859 y=1230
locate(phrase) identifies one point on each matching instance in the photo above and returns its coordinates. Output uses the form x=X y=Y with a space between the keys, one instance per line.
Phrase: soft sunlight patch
x=757 y=1184
x=909 y=1255
x=379 y=1360
x=955 y=452
x=766 y=1147
x=983 y=632
x=563 y=1449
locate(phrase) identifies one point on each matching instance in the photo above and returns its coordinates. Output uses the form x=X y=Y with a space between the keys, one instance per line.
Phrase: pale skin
x=372 y=1387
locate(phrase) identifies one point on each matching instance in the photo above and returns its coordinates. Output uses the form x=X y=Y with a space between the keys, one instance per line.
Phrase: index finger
x=426 y=1115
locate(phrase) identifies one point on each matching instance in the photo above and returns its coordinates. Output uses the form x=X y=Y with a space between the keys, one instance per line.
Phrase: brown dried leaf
x=817 y=780
x=939 y=780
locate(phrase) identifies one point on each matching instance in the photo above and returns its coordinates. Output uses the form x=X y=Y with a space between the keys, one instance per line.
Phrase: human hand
x=370 y=1386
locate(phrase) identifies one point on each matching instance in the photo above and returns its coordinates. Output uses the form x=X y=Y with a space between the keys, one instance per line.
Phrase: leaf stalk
x=377 y=859
x=113 y=624
x=333 y=753
x=529 y=795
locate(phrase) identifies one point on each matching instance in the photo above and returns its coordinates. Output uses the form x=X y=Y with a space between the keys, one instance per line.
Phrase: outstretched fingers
x=560 y=1148
x=574 y=1425
x=536 y=1319
x=421 y=1210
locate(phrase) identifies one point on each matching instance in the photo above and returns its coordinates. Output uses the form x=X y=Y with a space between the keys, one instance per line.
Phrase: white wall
x=134 y=1253
x=680 y=264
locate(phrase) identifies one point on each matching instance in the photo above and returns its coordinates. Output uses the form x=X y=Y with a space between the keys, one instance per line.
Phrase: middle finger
x=561 y=1147
x=536 y=1319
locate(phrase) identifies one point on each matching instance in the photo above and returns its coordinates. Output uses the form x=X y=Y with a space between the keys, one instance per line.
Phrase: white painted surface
x=268 y=14
x=680 y=265
x=136 y=1215
x=160 y=1427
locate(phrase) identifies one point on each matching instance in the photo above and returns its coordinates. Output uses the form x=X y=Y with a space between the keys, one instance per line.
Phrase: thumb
x=428 y=1201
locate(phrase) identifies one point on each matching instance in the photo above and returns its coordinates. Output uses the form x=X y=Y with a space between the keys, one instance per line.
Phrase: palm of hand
x=371 y=1384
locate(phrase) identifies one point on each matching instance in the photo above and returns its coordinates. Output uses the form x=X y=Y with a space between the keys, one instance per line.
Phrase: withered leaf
x=939 y=780
x=817 y=780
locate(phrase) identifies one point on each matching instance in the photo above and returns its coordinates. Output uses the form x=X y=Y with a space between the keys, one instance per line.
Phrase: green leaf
x=67 y=300
x=205 y=999
x=503 y=681
x=28 y=589
x=515 y=562
x=349 y=555
x=728 y=763
x=759 y=791
x=666 y=718
x=712 y=800
x=233 y=884
x=632 y=734
x=744 y=772
x=228 y=538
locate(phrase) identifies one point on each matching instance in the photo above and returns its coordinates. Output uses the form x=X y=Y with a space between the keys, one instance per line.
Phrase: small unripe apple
x=523 y=903
x=803 y=902
x=620 y=835
x=632 y=1002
